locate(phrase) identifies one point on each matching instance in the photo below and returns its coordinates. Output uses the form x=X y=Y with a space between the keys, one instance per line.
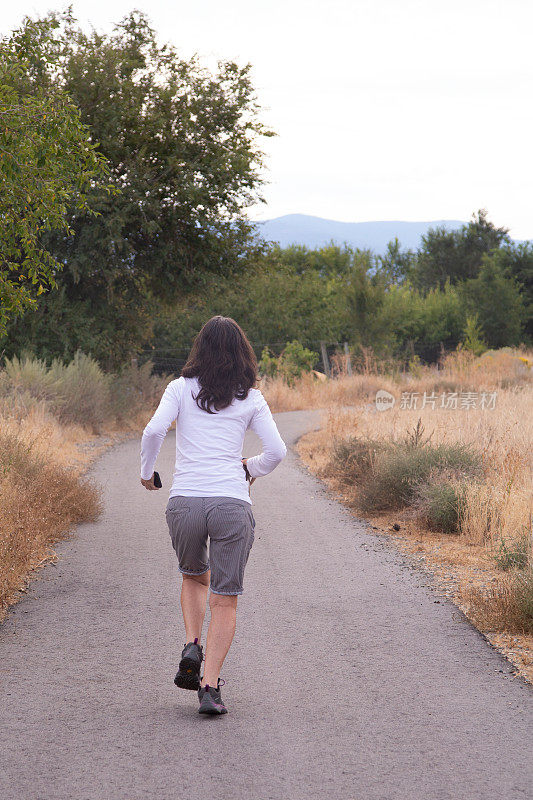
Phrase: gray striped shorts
x=228 y=524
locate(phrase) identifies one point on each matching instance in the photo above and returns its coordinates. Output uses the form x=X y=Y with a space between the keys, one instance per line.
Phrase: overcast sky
x=384 y=109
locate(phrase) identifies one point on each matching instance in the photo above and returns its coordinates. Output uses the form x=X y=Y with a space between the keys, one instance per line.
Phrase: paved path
x=345 y=680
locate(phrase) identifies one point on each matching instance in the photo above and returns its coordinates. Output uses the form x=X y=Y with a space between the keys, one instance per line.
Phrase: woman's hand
x=244 y=466
x=149 y=484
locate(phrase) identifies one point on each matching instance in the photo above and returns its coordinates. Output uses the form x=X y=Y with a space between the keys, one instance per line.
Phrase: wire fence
x=333 y=357
x=173 y=359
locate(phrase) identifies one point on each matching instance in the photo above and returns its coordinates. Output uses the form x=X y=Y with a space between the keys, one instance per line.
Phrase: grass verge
x=54 y=420
x=453 y=486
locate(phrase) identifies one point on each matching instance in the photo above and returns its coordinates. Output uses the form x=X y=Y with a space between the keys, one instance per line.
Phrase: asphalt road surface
x=345 y=680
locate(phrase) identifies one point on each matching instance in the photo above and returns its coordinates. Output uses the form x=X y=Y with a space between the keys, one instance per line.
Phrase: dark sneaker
x=210 y=700
x=188 y=674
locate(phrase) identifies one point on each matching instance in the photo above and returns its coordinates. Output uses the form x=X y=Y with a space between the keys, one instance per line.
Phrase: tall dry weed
x=79 y=392
x=45 y=413
x=505 y=605
x=40 y=500
x=499 y=507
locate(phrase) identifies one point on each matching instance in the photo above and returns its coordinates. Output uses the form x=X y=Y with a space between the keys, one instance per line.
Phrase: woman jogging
x=213 y=402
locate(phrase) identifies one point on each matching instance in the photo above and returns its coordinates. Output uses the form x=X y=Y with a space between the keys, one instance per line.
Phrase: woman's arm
x=156 y=430
x=274 y=449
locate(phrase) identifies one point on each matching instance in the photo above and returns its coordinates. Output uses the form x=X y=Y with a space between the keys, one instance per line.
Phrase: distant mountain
x=316 y=231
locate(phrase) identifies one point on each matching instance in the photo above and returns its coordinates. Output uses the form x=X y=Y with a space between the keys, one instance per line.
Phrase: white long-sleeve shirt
x=209 y=446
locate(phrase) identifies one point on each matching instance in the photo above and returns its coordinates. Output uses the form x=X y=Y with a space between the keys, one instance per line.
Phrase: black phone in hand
x=157 y=480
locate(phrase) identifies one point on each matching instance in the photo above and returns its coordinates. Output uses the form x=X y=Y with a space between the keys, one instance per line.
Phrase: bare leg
x=219 y=636
x=193 y=604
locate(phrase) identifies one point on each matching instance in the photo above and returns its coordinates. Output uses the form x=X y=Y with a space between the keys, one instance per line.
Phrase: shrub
x=29 y=374
x=389 y=474
x=268 y=363
x=294 y=361
x=399 y=469
x=506 y=605
x=473 y=336
x=353 y=458
x=82 y=391
x=523 y=593
x=134 y=389
x=415 y=366
x=79 y=392
x=440 y=505
x=17 y=457
x=512 y=555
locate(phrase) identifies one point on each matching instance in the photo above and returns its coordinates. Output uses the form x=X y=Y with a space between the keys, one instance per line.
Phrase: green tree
x=516 y=261
x=397 y=264
x=329 y=261
x=268 y=363
x=181 y=143
x=272 y=302
x=293 y=361
x=425 y=321
x=48 y=164
x=364 y=290
x=473 y=334
x=337 y=301
x=498 y=302
x=456 y=255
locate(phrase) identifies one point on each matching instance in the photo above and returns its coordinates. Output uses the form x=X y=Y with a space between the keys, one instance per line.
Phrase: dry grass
x=499 y=506
x=41 y=497
x=460 y=371
x=308 y=392
x=504 y=605
x=46 y=444
x=80 y=393
x=496 y=507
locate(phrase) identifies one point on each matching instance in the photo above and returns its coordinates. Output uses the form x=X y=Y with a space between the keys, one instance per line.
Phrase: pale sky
x=384 y=109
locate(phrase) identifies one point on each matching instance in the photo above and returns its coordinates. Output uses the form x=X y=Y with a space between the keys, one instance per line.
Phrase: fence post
x=325 y=359
x=348 y=359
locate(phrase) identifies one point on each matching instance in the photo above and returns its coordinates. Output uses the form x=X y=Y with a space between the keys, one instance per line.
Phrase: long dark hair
x=224 y=362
